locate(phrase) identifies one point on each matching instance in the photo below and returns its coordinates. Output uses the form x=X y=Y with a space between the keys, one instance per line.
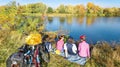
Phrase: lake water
x=95 y=28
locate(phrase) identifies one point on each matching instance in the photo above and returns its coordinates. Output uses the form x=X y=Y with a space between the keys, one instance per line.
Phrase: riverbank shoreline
x=63 y=15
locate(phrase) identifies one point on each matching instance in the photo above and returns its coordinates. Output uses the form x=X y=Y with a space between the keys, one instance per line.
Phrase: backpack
x=69 y=49
x=16 y=58
x=47 y=46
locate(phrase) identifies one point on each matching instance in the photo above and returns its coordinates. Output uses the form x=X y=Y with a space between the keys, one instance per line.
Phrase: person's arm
x=88 y=51
x=74 y=48
x=50 y=47
x=58 y=42
x=65 y=48
x=27 y=52
x=79 y=47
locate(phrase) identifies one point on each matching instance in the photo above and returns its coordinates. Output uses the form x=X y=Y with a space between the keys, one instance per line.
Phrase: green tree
x=8 y=12
x=3 y=15
x=61 y=9
x=69 y=9
x=107 y=12
x=50 y=10
x=111 y=11
x=36 y=8
x=22 y=9
x=118 y=12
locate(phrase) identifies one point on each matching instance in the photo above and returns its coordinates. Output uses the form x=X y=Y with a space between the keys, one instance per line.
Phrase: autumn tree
x=111 y=11
x=93 y=9
x=80 y=9
x=90 y=8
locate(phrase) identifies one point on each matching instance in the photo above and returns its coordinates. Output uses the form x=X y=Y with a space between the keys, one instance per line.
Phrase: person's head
x=45 y=38
x=61 y=37
x=82 y=37
x=70 y=39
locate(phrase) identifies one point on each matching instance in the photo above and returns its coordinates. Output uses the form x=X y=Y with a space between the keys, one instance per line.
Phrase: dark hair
x=70 y=40
x=70 y=37
x=61 y=36
x=44 y=37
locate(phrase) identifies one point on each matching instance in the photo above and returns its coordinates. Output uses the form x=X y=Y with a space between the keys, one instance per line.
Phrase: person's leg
x=76 y=58
x=73 y=58
x=70 y=58
x=30 y=60
x=82 y=61
x=53 y=51
x=38 y=61
x=62 y=54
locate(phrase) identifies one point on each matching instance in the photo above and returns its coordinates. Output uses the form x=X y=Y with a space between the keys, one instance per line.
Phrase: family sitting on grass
x=37 y=47
x=78 y=54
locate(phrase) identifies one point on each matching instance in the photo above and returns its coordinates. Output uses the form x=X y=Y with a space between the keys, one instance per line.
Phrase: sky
x=56 y=3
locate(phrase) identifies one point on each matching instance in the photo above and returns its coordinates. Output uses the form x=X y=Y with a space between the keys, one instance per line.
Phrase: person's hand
x=88 y=57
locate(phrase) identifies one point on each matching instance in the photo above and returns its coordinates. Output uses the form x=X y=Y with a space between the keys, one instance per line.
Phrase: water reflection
x=69 y=19
x=80 y=19
x=62 y=20
x=90 y=20
x=50 y=19
x=95 y=28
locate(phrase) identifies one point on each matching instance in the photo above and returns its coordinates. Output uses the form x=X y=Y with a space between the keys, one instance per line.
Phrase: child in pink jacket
x=60 y=44
x=83 y=50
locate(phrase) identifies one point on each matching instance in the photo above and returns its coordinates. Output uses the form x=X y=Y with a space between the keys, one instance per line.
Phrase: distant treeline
x=12 y=9
x=89 y=10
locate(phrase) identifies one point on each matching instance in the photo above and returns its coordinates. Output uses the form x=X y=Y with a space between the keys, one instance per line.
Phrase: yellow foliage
x=90 y=5
x=80 y=9
x=34 y=39
x=3 y=18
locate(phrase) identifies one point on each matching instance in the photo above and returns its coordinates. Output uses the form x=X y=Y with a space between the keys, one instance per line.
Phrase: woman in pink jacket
x=59 y=45
x=83 y=50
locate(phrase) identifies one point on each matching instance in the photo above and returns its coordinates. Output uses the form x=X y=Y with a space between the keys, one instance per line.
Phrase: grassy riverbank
x=102 y=54
x=50 y=14
x=60 y=14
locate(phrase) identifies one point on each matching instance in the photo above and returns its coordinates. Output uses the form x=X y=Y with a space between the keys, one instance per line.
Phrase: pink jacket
x=83 y=49
x=59 y=45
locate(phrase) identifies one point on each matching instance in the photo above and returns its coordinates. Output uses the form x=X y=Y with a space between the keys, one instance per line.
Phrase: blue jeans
x=77 y=59
x=81 y=61
x=62 y=53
